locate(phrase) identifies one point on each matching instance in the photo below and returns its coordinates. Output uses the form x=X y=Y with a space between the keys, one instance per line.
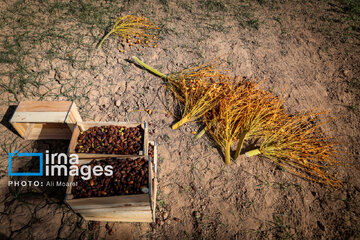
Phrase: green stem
x=201 y=133
x=240 y=144
x=227 y=153
x=106 y=36
x=181 y=122
x=153 y=70
x=252 y=153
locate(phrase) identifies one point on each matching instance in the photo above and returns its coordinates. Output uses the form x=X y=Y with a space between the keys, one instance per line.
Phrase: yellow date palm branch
x=298 y=145
x=132 y=29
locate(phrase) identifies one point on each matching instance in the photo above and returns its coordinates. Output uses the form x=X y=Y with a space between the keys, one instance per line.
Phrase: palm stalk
x=262 y=111
x=226 y=120
x=201 y=133
x=199 y=98
x=151 y=69
x=299 y=147
x=197 y=88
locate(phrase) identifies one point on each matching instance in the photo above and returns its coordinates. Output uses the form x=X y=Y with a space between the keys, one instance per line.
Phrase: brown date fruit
x=111 y=140
x=127 y=178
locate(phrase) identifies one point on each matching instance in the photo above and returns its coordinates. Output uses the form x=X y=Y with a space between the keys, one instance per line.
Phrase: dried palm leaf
x=132 y=29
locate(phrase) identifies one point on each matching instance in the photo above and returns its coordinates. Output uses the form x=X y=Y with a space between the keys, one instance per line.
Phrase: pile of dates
x=130 y=176
x=111 y=140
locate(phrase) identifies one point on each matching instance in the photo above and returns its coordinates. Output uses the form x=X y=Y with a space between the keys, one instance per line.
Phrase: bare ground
x=307 y=50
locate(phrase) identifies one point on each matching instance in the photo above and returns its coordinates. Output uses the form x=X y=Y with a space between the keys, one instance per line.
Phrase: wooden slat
x=154 y=182
x=123 y=208
x=150 y=178
x=155 y=158
x=69 y=187
x=119 y=216
x=75 y=113
x=103 y=155
x=39 y=117
x=73 y=117
x=87 y=125
x=47 y=131
x=28 y=131
x=137 y=200
x=68 y=197
x=73 y=140
x=146 y=138
x=21 y=128
x=83 y=161
x=36 y=131
x=44 y=106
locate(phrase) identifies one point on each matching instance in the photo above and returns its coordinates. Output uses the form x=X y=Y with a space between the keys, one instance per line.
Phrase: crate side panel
x=103 y=155
x=109 y=202
x=146 y=138
x=87 y=125
x=119 y=216
x=48 y=131
x=44 y=106
x=73 y=116
x=69 y=187
x=20 y=128
x=73 y=140
x=154 y=181
x=39 y=117
x=107 y=209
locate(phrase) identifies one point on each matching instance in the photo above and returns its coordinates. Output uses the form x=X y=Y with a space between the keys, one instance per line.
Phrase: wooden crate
x=35 y=120
x=124 y=208
x=83 y=126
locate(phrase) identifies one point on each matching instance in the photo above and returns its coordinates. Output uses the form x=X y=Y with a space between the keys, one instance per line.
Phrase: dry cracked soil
x=307 y=51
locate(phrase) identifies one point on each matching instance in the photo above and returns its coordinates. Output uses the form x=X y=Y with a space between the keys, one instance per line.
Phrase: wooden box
x=83 y=126
x=124 y=208
x=35 y=120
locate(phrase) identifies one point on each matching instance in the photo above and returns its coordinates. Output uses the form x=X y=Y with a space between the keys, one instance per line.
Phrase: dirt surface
x=307 y=50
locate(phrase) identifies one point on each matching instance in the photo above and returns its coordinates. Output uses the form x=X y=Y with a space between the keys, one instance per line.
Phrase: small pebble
x=165 y=215
x=196 y=214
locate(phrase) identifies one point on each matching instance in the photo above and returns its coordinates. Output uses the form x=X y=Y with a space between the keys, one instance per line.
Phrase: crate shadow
x=50 y=187
x=5 y=121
